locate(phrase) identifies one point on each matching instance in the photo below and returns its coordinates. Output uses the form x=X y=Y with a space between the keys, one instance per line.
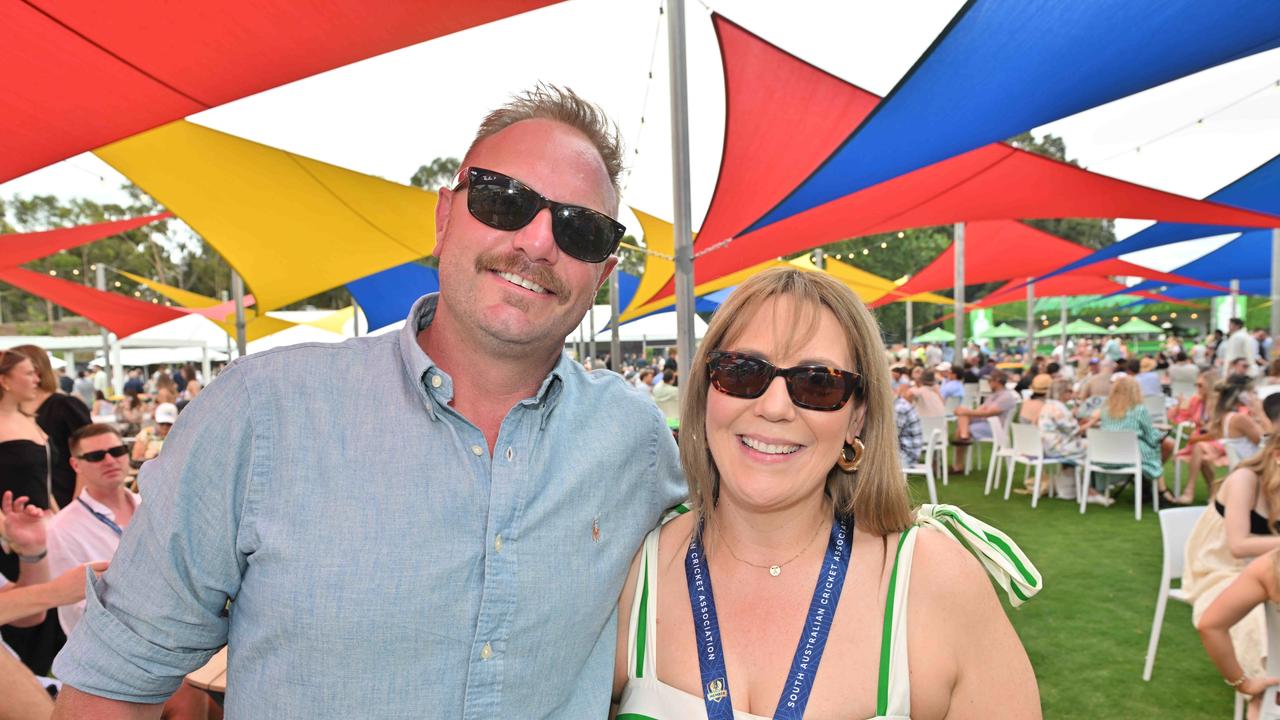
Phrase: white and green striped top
x=645 y=697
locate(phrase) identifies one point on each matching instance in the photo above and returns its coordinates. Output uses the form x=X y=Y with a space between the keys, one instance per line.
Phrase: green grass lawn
x=1087 y=631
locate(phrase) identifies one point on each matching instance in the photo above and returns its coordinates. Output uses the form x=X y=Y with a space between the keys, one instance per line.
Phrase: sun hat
x=1041 y=383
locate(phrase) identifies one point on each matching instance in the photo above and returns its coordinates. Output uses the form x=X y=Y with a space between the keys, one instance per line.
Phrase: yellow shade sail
x=254 y=327
x=291 y=226
x=336 y=321
x=868 y=286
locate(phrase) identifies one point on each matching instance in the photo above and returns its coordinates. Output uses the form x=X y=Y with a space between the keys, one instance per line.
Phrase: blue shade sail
x=1257 y=190
x=1005 y=66
x=385 y=297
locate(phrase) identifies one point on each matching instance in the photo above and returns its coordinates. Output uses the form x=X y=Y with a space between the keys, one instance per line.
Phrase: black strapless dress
x=24 y=470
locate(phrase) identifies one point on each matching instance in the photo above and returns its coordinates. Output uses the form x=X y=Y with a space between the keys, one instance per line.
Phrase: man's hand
x=68 y=588
x=23 y=525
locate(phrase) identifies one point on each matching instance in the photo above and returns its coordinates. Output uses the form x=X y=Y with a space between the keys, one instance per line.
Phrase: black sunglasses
x=100 y=455
x=813 y=387
x=505 y=203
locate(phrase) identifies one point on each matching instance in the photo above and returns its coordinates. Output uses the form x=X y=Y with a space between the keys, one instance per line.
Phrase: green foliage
x=440 y=173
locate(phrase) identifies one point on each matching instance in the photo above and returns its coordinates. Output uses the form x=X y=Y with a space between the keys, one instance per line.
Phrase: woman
x=131 y=411
x=1239 y=524
x=780 y=463
x=1238 y=416
x=1204 y=450
x=1259 y=583
x=1063 y=435
x=103 y=410
x=925 y=396
x=24 y=471
x=58 y=416
x=1124 y=411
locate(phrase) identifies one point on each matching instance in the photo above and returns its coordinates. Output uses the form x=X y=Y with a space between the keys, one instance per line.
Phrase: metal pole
x=819 y=259
x=1062 y=324
x=101 y=278
x=237 y=292
x=958 y=246
x=615 y=342
x=355 y=317
x=683 y=227
x=591 y=342
x=1235 y=298
x=224 y=296
x=910 y=323
x=205 y=366
x=1275 y=288
x=1031 y=324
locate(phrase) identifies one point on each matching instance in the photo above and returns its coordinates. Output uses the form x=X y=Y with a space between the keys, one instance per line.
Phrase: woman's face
x=769 y=452
x=22 y=381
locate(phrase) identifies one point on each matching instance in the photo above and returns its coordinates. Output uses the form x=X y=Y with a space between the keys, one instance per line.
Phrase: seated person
x=1146 y=376
x=1124 y=411
x=910 y=434
x=1240 y=524
x=972 y=422
x=925 y=396
x=146 y=446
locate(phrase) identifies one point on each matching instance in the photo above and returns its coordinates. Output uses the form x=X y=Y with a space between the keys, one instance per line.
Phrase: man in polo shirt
x=435 y=522
x=89 y=528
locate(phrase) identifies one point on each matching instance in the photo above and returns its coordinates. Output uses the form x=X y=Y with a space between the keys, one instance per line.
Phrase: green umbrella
x=1075 y=327
x=935 y=335
x=1138 y=326
x=1003 y=330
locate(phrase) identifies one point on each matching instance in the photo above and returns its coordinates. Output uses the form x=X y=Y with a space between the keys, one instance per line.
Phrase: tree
x=440 y=173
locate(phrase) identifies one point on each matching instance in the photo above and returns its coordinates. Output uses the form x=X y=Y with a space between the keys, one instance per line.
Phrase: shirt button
x=477 y=450
x=436 y=381
x=497 y=544
x=510 y=454
x=486 y=652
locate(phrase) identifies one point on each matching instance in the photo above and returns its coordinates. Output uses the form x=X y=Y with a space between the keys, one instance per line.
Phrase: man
x=89 y=528
x=65 y=384
x=1239 y=346
x=135 y=383
x=101 y=383
x=1264 y=344
x=972 y=422
x=910 y=432
x=1098 y=383
x=435 y=522
x=1112 y=349
x=83 y=389
x=952 y=386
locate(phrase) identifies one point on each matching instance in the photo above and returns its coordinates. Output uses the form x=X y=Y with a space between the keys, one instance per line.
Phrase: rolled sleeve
x=156 y=614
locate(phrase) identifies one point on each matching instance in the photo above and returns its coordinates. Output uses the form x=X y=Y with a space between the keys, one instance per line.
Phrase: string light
x=884 y=245
x=117 y=283
x=1097 y=319
x=901 y=234
x=1173 y=316
x=75 y=271
x=53 y=272
x=137 y=294
x=866 y=251
x=94 y=267
x=1154 y=318
x=1194 y=316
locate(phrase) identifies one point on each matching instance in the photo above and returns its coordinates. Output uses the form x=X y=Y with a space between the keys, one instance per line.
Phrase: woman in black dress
x=58 y=416
x=24 y=470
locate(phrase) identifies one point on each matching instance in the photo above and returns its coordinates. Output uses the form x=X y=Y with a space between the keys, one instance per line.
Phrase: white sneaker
x=1098 y=499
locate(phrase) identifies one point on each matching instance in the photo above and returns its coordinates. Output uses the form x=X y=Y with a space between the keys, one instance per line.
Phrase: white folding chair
x=1028 y=449
x=976 y=449
x=1175 y=527
x=931 y=444
x=1118 y=449
x=951 y=403
x=1156 y=408
x=1182 y=388
x=935 y=431
x=1000 y=451
x=1180 y=433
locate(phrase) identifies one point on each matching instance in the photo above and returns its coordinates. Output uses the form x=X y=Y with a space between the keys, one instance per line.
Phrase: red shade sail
x=993 y=182
x=1010 y=250
x=117 y=313
x=80 y=74
x=19 y=248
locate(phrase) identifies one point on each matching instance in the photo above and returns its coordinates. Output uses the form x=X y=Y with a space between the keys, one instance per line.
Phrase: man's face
x=561 y=164
x=1240 y=366
x=106 y=474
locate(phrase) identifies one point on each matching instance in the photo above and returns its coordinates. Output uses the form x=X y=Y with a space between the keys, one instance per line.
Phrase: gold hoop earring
x=851 y=456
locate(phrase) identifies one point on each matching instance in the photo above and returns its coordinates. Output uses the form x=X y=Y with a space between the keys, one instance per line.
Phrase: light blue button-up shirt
x=381 y=563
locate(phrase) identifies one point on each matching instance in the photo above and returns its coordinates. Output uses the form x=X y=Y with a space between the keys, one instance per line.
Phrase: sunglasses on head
x=100 y=455
x=504 y=203
x=813 y=387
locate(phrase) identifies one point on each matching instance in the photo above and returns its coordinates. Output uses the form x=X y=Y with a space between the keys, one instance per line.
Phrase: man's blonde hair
x=551 y=102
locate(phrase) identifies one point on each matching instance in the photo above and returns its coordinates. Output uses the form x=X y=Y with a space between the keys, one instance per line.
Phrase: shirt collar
x=103 y=509
x=435 y=384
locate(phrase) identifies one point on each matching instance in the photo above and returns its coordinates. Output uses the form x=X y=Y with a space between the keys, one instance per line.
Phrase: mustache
x=517 y=264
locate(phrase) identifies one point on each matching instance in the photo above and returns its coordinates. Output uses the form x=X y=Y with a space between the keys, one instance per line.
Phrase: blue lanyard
x=804 y=665
x=102 y=518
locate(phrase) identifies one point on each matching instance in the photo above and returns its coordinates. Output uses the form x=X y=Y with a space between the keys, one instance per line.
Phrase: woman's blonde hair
x=1227 y=397
x=876 y=494
x=1265 y=465
x=1124 y=394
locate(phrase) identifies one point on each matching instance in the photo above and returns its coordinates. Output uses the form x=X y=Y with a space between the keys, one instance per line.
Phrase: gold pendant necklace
x=774 y=570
